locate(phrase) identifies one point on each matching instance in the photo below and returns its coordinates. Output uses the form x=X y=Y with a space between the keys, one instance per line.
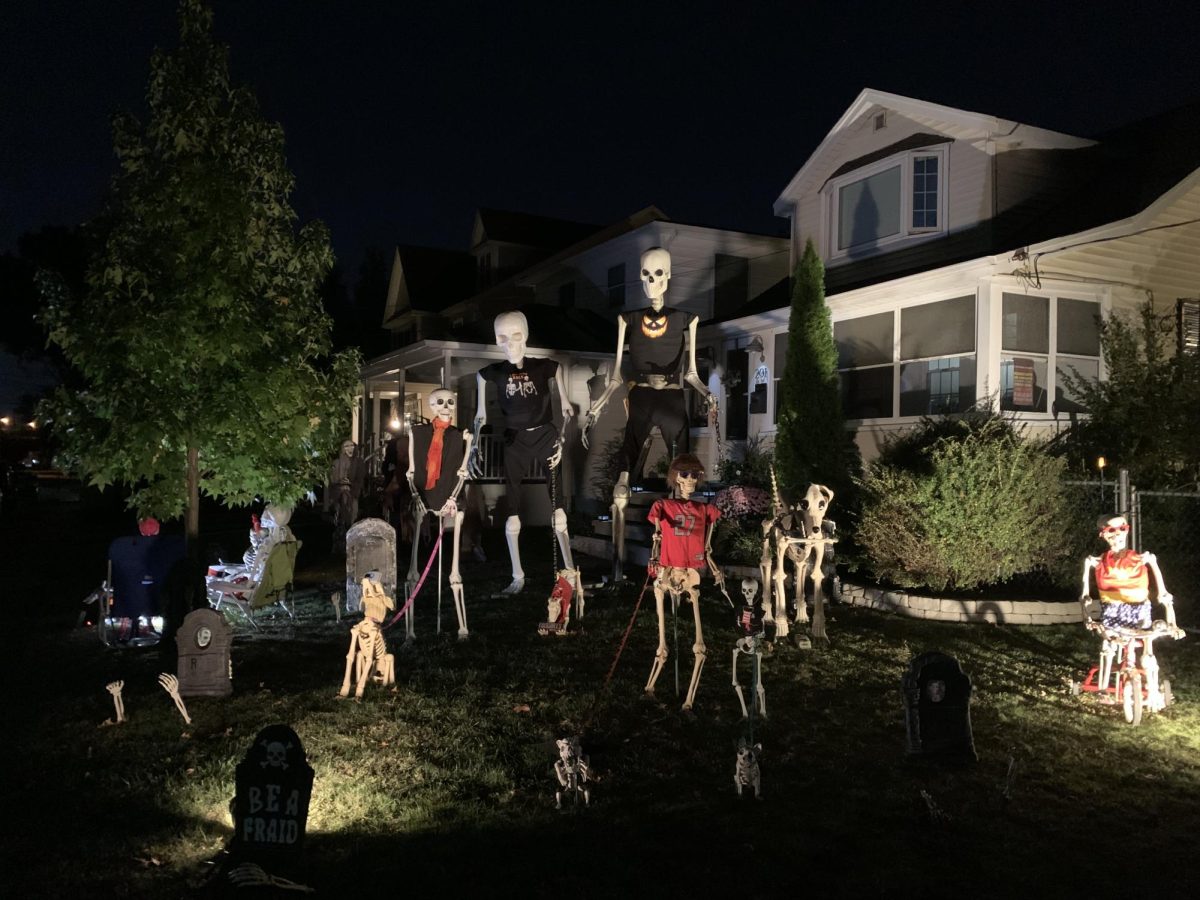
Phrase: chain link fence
x=1168 y=525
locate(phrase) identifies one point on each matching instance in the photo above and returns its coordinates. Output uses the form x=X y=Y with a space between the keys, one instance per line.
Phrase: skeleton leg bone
x=660 y=657
x=818 y=580
x=1107 y=651
x=410 y=582
x=351 y=656
x=456 y=582
x=780 y=598
x=564 y=547
x=801 y=573
x=512 y=534
x=620 y=500
x=737 y=651
x=698 y=648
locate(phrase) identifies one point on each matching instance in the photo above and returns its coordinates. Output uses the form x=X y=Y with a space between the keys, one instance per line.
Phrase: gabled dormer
x=895 y=173
x=505 y=242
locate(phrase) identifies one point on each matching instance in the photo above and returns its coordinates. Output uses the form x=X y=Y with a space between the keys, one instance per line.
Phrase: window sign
x=758 y=397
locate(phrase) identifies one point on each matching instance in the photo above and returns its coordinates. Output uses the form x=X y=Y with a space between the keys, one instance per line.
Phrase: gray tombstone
x=270 y=808
x=370 y=547
x=203 y=642
x=937 y=708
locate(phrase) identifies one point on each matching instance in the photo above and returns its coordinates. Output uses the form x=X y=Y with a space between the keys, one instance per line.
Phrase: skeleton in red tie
x=437 y=470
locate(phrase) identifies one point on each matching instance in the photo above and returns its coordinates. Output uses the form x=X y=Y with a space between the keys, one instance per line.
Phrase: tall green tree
x=1145 y=414
x=812 y=444
x=200 y=335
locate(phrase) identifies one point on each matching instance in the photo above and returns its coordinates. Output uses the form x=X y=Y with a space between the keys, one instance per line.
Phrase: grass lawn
x=444 y=784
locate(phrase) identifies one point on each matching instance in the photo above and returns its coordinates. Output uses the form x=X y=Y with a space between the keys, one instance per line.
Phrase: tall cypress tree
x=812 y=444
x=200 y=335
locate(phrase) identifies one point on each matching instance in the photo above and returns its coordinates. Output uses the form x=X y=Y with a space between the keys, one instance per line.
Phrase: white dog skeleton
x=799 y=534
x=750 y=646
x=368 y=647
x=432 y=485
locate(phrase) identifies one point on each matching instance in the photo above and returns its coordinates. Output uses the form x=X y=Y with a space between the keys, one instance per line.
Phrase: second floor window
x=887 y=201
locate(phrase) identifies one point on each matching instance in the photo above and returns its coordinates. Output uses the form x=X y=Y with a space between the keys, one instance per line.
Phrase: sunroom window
x=887 y=201
x=1042 y=339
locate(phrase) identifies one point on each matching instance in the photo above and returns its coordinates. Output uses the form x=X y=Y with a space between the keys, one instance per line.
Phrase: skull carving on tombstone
x=276 y=752
x=442 y=403
x=655 y=273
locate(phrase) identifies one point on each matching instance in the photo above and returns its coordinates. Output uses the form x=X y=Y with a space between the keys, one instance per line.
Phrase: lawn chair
x=275 y=587
x=131 y=596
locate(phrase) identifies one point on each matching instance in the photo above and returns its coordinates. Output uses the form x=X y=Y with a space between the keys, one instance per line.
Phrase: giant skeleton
x=660 y=338
x=437 y=470
x=523 y=392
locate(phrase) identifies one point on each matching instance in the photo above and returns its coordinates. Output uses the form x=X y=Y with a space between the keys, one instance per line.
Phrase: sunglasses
x=1114 y=529
x=695 y=475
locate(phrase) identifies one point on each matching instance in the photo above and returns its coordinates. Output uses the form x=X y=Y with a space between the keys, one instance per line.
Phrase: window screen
x=938 y=329
x=1078 y=327
x=864 y=342
x=867 y=393
x=869 y=209
x=1026 y=323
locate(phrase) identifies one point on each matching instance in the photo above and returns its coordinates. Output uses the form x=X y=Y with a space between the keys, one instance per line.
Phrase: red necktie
x=433 y=459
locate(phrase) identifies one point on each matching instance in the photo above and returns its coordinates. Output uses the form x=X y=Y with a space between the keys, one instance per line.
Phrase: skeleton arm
x=475 y=456
x=717 y=574
x=1164 y=596
x=1085 y=593
x=560 y=770
x=692 y=377
x=418 y=503
x=568 y=411
x=614 y=382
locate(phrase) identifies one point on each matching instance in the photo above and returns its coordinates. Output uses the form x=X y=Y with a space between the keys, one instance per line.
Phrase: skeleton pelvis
x=679 y=581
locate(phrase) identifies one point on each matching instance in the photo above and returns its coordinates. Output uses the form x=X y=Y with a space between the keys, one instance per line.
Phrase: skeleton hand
x=250 y=875
x=170 y=684
x=555 y=458
x=588 y=421
x=475 y=458
x=419 y=508
x=449 y=508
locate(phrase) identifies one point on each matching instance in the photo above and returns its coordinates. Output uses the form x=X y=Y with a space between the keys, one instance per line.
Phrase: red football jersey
x=683 y=524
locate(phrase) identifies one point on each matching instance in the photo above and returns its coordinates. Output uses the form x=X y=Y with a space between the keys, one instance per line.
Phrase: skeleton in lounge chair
x=269 y=580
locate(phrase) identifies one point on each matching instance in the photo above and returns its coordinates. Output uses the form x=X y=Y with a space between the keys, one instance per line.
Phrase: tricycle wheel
x=1131 y=697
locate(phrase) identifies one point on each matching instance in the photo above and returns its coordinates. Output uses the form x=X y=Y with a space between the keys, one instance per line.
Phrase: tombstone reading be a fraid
x=203 y=642
x=937 y=708
x=270 y=809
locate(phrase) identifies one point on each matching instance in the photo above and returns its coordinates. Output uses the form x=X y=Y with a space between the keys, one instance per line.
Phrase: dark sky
x=401 y=118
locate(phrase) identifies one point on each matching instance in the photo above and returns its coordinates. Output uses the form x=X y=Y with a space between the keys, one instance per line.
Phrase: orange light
x=5 y=421
x=1101 y=462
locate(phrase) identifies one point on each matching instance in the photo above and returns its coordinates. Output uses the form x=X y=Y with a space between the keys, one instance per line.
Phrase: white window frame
x=830 y=201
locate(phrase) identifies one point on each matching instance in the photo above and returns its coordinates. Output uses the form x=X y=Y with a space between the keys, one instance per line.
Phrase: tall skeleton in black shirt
x=656 y=352
x=524 y=395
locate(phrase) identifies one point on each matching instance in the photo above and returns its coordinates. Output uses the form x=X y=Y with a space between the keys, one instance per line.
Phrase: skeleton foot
x=517 y=586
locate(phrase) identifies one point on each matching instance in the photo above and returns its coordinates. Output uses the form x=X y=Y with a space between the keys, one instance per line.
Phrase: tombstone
x=203 y=642
x=370 y=547
x=270 y=809
x=937 y=708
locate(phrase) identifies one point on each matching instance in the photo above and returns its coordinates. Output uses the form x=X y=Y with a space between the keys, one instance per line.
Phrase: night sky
x=402 y=118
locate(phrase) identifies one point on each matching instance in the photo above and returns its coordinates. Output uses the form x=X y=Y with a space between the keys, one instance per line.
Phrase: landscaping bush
x=752 y=470
x=964 y=502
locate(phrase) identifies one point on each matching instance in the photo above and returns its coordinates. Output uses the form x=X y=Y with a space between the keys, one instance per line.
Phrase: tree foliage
x=1145 y=415
x=963 y=502
x=812 y=444
x=200 y=335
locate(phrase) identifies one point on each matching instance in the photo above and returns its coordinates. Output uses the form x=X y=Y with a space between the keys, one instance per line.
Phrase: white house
x=970 y=257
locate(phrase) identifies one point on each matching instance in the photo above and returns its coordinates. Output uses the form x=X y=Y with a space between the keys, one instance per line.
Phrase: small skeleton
x=170 y=684
x=368 y=647
x=750 y=645
x=573 y=771
x=114 y=688
x=747 y=772
x=441 y=405
x=253 y=876
x=800 y=533
x=681 y=582
x=568 y=587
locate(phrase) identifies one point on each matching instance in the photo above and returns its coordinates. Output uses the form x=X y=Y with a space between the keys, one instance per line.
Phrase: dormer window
x=887 y=201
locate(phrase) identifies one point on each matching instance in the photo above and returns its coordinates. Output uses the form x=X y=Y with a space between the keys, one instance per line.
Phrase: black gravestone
x=937 y=708
x=270 y=809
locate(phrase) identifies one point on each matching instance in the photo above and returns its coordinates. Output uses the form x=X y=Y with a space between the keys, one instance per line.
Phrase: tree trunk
x=193 y=502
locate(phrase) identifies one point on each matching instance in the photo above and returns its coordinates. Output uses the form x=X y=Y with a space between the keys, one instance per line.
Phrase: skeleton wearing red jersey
x=682 y=542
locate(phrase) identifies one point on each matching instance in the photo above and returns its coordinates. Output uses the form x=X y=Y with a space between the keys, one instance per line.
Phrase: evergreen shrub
x=959 y=503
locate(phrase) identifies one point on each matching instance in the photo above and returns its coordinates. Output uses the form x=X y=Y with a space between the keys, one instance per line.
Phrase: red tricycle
x=1136 y=685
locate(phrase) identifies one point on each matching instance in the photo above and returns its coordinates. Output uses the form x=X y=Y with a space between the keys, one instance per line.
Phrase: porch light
x=32 y=425
x=5 y=421
x=1101 y=462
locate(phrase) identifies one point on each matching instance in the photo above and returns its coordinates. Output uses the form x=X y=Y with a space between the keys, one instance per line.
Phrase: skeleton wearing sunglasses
x=682 y=547
x=1123 y=580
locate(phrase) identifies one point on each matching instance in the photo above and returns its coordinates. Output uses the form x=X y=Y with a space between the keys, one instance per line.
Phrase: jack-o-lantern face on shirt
x=654 y=326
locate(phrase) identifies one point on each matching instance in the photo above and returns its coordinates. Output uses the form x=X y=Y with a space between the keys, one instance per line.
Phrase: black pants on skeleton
x=521 y=448
x=649 y=407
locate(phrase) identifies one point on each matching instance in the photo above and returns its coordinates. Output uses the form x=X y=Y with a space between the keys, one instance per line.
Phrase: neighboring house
x=970 y=257
x=571 y=281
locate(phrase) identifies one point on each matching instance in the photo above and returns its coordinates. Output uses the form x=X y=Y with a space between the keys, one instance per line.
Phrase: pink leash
x=421 y=581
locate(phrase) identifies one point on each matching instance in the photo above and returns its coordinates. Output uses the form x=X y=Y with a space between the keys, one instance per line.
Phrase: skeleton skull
x=656 y=272
x=813 y=506
x=1115 y=532
x=276 y=754
x=749 y=590
x=442 y=403
x=348 y=448
x=512 y=331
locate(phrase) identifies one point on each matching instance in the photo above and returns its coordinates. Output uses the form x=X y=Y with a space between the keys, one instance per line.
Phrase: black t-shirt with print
x=657 y=340
x=523 y=391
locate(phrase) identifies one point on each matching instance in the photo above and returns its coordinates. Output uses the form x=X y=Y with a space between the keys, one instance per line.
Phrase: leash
x=416 y=590
x=612 y=669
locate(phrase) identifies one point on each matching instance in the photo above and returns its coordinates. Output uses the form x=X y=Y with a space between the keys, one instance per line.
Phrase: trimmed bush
x=964 y=502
